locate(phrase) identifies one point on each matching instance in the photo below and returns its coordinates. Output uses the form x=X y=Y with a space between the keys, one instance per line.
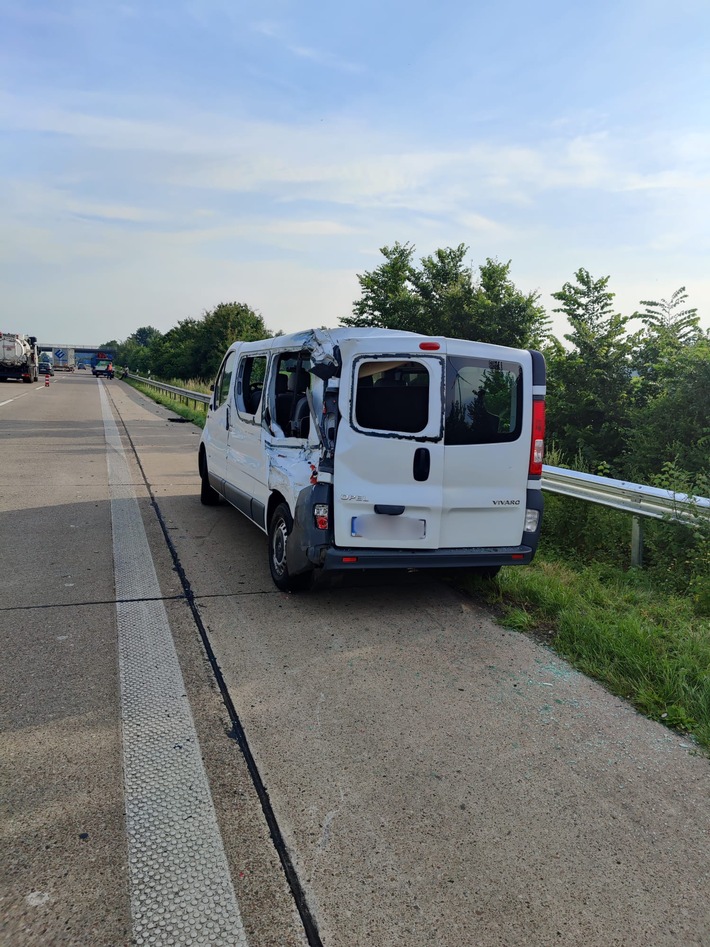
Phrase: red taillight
x=349 y=559
x=429 y=346
x=320 y=515
x=517 y=555
x=537 y=445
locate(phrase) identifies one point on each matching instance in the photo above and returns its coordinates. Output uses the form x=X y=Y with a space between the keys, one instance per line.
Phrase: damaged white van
x=378 y=449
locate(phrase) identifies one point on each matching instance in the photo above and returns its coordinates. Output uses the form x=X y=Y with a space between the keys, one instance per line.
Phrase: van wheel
x=486 y=572
x=279 y=530
x=208 y=495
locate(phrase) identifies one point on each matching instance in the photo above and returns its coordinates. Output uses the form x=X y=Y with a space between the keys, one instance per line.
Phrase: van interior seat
x=300 y=419
x=292 y=404
x=252 y=401
x=284 y=400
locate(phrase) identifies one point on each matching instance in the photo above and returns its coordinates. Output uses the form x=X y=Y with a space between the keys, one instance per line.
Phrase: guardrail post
x=636 y=541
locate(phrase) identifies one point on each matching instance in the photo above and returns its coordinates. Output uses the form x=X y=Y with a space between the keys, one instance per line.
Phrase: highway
x=190 y=756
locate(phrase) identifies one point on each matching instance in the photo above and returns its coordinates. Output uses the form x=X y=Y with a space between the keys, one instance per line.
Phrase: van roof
x=334 y=336
x=325 y=339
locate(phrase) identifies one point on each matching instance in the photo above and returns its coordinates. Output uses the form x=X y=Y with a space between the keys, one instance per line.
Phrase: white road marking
x=181 y=888
x=16 y=398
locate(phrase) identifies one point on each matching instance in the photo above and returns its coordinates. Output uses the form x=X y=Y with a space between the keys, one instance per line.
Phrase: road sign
x=60 y=353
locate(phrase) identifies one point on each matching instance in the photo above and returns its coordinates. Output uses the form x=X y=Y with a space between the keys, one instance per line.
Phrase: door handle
x=422 y=463
x=227 y=418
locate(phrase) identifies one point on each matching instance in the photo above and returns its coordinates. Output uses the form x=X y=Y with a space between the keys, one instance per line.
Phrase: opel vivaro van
x=377 y=449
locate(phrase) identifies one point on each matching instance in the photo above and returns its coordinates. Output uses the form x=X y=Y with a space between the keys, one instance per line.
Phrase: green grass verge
x=197 y=416
x=643 y=644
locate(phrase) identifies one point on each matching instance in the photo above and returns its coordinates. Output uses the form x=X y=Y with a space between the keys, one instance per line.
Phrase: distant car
x=45 y=368
x=81 y=367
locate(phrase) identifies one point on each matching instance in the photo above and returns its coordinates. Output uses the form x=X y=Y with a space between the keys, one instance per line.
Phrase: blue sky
x=157 y=158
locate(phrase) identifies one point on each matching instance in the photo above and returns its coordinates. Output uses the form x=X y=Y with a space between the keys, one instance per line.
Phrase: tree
x=667 y=328
x=662 y=320
x=503 y=314
x=441 y=298
x=673 y=426
x=388 y=300
x=134 y=351
x=143 y=336
x=226 y=323
x=590 y=390
x=172 y=355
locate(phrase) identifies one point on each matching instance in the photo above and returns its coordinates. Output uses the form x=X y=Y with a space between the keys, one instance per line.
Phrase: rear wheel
x=279 y=530
x=486 y=572
x=208 y=495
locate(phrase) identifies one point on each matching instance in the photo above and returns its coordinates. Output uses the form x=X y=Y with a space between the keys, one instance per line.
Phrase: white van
x=377 y=449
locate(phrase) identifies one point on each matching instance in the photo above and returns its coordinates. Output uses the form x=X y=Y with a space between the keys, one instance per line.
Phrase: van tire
x=486 y=572
x=280 y=528
x=208 y=495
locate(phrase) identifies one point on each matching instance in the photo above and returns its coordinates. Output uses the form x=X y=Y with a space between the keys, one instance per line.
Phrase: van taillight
x=320 y=515
x=537 y=446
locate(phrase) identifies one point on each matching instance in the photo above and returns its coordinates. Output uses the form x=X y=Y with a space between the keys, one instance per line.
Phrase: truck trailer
x=18 y=357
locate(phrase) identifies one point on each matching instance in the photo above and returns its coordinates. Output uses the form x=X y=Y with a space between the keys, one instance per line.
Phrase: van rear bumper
x=336 y=558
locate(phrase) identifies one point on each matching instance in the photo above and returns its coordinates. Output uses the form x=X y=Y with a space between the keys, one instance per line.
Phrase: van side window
x=483 y=401
x=224 y=379
x=250 y=383
x=392 y=396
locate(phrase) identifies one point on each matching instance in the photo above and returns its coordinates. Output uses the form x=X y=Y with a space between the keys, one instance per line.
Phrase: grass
x=643 y=644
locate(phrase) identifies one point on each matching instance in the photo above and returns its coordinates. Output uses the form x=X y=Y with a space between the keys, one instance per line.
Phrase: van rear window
x=392 y=396
x=483 y=400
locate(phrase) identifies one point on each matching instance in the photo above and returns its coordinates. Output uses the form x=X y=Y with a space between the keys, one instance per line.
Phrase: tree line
x=629 y=404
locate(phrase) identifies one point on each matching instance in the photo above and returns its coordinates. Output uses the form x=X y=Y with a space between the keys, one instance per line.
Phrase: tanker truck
x=18 y=357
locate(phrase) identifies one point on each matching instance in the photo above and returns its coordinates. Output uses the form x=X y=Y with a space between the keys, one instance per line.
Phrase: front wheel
x=279 y=530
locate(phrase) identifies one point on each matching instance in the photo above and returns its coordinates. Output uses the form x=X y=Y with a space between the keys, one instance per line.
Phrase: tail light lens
x=537 y=446
x=320 y=514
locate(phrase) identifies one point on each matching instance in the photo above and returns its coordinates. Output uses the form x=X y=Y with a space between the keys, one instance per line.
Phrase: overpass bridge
x=70 y=356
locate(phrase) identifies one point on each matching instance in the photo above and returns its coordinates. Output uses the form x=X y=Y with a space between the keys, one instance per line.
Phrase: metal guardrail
x=183 y=394
x=634 y=498
x=637 y=499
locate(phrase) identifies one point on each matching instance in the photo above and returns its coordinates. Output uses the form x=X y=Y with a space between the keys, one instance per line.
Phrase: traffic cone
x=46 y=381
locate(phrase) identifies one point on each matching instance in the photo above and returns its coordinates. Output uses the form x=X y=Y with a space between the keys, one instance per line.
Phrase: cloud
x=347 y=161
x=278 y=31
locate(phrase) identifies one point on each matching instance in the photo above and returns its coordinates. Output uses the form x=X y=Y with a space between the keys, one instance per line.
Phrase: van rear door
x=488 y=414
x=389 y=458
x=433 y=445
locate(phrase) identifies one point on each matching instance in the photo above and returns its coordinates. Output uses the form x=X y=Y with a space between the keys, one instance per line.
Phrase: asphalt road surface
x=376 y=762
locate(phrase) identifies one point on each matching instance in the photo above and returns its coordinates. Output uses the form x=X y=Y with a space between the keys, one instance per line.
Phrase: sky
x=160 y=157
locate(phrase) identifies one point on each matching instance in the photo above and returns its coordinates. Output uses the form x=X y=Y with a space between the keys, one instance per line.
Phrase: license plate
x=377 y=526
